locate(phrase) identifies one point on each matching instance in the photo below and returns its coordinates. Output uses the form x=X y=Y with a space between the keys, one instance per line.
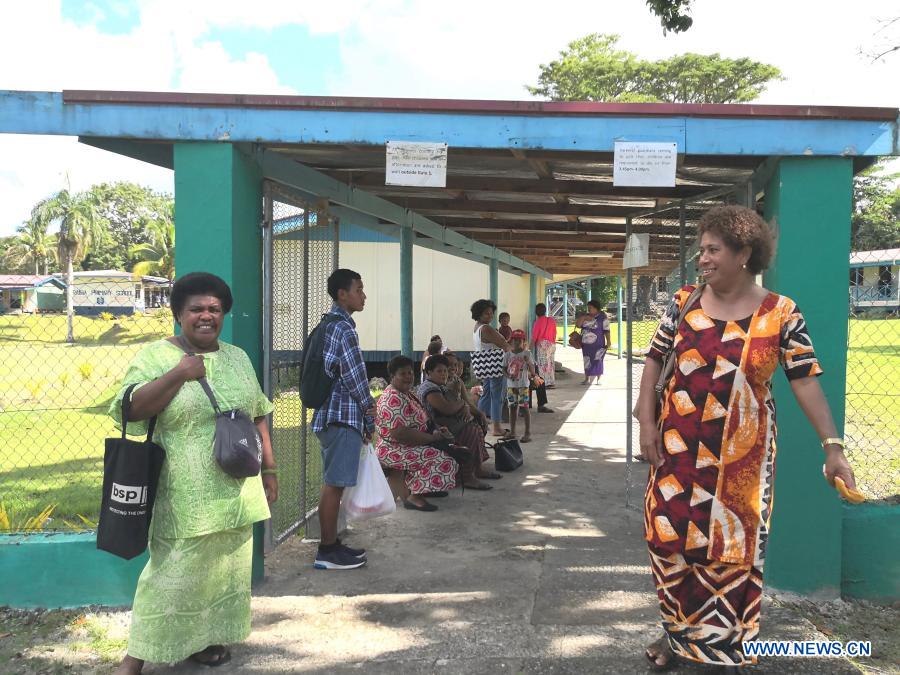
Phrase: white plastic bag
x=371 y=496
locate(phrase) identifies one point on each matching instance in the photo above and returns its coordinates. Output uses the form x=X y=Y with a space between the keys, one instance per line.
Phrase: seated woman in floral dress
x=404 y=442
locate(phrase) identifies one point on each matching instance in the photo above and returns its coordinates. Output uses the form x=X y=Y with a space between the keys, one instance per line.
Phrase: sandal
x=479 y=486
x=660 y=650
x=493 y=475
x=213 y=656
x=525 y=439
x=415 y=507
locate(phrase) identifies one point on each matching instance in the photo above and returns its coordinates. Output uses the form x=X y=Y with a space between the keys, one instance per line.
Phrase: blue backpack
x=315 y=382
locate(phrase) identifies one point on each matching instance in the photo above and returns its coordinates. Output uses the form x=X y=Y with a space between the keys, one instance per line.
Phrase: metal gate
x=300 y=251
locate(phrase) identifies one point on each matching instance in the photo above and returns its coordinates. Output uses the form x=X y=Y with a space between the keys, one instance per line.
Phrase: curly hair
x=399 y=362
x=738 y=227
x=479 y=306
x=199 y=283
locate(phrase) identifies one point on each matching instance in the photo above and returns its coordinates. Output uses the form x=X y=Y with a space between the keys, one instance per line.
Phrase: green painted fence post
x=218 y=210
x=407 y=236
x=808 y=199
x=494 y=286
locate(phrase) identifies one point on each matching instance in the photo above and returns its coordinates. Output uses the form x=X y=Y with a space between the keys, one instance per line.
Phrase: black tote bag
x=130 y=479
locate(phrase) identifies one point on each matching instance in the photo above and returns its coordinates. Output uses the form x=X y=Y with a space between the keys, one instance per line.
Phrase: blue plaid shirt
x=350 y=398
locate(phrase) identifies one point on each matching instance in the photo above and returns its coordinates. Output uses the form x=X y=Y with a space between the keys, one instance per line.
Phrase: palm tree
x=157 y=257
x=34 y=245
x=80 y=228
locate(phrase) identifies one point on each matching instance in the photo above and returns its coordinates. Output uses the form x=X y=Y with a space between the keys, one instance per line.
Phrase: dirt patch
x=87 y=641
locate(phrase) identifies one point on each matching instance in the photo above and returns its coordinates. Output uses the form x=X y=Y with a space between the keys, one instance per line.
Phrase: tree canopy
x=876 y=211
x=673 y=14
x=592 y=68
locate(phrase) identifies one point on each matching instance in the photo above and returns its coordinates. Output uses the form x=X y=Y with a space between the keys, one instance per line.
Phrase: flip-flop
x=525 y=439
x=428 y=508
x=216 y=655
x=493 y=475
x=480 y=487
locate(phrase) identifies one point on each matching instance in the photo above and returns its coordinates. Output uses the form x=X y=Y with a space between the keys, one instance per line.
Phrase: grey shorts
x=341 y=446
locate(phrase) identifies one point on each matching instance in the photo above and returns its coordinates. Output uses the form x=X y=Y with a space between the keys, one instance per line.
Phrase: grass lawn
x=54 y=398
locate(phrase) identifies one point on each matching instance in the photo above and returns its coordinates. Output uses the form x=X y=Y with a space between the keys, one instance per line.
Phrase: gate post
x=406 y=291
x=218 y=209
x=532 y=301
x=494 y=285
x=808 y=199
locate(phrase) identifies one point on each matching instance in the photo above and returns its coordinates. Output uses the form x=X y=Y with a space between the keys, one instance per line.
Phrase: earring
x=744 y=266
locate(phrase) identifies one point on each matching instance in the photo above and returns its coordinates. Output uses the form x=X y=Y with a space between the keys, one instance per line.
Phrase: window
x=662 y=285
x=856 y=276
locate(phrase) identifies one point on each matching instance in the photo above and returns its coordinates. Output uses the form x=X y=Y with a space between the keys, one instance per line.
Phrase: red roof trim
x=74 y=96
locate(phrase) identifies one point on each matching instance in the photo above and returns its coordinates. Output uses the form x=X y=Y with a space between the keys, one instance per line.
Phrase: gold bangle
x=833 y=441
x=269 y=472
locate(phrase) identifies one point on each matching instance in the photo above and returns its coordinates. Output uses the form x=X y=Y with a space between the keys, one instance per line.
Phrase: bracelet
x=833 y=441
x=269 y=472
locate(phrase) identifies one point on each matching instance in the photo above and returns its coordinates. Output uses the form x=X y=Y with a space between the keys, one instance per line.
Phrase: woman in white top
x=489 y=370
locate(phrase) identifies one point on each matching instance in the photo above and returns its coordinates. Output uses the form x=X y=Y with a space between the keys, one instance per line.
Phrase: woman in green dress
x=193 y=597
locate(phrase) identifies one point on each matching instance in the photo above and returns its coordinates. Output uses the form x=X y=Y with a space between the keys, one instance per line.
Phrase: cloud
x=414 y=48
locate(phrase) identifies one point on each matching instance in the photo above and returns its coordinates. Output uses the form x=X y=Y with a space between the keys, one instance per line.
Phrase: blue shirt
x=350 y=398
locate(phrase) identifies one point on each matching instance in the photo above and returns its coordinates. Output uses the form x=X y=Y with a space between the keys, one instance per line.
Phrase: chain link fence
x=872 y=426
x=58 y=375
x=301 y=252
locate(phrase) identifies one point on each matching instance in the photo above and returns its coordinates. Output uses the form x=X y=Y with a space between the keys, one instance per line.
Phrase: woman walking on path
x=487 y=363
x=594 y=341
x=543 y=337
x=193 y=597
x=708 y=502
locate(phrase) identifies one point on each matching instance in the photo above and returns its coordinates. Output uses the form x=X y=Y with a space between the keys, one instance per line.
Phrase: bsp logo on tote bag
x=130 y=478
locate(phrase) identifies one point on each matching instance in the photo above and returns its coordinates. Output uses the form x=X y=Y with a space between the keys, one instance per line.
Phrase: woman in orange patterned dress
x=708 y=503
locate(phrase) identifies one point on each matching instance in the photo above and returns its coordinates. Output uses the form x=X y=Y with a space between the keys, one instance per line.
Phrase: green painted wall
x=871 y=552
x=64 y=570
x=218 y=210
x=809 y=200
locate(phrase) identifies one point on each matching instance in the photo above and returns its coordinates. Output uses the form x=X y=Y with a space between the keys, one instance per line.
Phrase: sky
x=405 y=48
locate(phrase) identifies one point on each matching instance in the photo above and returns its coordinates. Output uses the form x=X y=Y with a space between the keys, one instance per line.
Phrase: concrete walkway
x=547 y=573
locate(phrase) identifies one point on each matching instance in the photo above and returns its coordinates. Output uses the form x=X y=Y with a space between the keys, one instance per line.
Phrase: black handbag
x=130 y=480
x=237 y=445
x=508 y=455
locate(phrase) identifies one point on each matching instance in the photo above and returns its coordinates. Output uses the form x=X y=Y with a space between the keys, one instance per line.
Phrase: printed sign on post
x=416 y=164
x=640 y=164
x=637 y=251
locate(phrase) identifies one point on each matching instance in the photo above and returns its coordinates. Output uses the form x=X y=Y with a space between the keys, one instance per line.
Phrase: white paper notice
x=645 y=164
x=637 y=251
x=418 y=164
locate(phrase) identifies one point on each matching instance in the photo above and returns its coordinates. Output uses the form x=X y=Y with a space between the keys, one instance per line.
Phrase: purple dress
x=593 y=343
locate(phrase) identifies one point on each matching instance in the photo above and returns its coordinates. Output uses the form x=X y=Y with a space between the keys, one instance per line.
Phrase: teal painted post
x=565 y=313
x=406 y=291
x=494 y=284
x=218 y=210
x=532 y=301
x=619 y=314
x=590 y=289
x=809 y=199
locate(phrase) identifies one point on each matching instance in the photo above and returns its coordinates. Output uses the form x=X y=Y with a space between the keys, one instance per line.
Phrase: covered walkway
x=547 y=573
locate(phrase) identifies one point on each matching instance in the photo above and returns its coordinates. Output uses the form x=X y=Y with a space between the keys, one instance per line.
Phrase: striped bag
x=487 y=364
